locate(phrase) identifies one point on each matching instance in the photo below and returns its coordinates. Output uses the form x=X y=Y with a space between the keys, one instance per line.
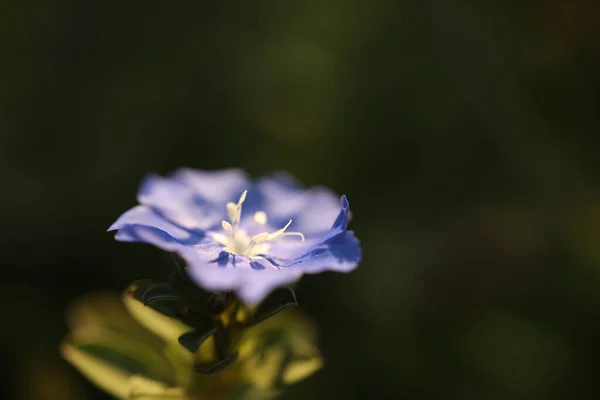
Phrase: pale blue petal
x=340 y=253
x=216 y=187
x=179 y=203
x=312 y=210
x=252 y=285
x=145 y=216
x=259 y=284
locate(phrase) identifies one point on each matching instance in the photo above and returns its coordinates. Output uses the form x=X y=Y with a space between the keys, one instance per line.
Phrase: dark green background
x=464 y=133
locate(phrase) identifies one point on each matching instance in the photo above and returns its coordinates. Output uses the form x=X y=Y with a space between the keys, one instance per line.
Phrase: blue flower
x=242 y=236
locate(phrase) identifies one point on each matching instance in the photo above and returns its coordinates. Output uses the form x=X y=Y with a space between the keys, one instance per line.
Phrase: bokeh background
x=465 y=134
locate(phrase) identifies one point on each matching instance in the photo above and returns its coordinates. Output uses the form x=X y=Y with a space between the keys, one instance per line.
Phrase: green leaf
x=115 y=356
x=105 y=375
x=211 y=368
x=192 y=341
x=198 y=299
x=142 y=388
x=277 y=301
x=279 y=351
x=158 y=295
x=102 y=327
x=158 y=322
x=158 y=291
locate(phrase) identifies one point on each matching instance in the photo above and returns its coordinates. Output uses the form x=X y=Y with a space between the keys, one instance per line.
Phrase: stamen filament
x=294 y=234
x=261 y=237
x=238 y=210
x=231 y=211
x=237 y=240
x=277 y=234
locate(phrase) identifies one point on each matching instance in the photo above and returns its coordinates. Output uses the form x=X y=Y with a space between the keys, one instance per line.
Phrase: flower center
x=236 y=241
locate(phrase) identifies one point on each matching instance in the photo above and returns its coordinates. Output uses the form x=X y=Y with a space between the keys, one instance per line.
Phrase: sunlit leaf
x=98 y=313
x=301 y=368
x=141 y=388
x=263 y=368
x=165 y=327
x=213 y=367
x=157 y=295
x=158 y=291
x=250 y=392
x=279 y=300
x=135 y=352
x=279 y=351
x=103 y=374
x=192 y=341
x=101 y=326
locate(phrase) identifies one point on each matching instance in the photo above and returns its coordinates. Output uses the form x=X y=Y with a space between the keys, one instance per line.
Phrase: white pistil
x=237 y=242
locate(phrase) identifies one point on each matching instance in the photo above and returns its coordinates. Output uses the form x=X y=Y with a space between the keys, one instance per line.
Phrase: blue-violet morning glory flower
x=242 y=236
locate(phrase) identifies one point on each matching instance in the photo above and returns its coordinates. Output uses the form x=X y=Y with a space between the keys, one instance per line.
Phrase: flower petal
x=179 y=202
x=189 y=199
x=294 y=249
x=340 y=253
x=154 y=236
x=312 y=210
x=145 y=216
x=251 y=285
x=217 y=187
x=258 y=284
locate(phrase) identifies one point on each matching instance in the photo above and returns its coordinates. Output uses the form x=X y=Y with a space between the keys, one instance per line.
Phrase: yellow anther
x=242 y=198
x=227 y=226
x=260 y=217
x=231 y=211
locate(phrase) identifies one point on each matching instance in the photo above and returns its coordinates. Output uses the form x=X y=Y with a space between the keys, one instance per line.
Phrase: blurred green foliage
x=464 y=133
x=131 y=351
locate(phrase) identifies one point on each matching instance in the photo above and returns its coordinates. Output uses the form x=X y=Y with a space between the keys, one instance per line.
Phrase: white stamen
x=236 y=213
x=231 y=211
x=227 y=226
x=294 y=234
x=242 y=198
x=261 y=237
x=260 y=217
x=279 y=233
x=236 y=240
